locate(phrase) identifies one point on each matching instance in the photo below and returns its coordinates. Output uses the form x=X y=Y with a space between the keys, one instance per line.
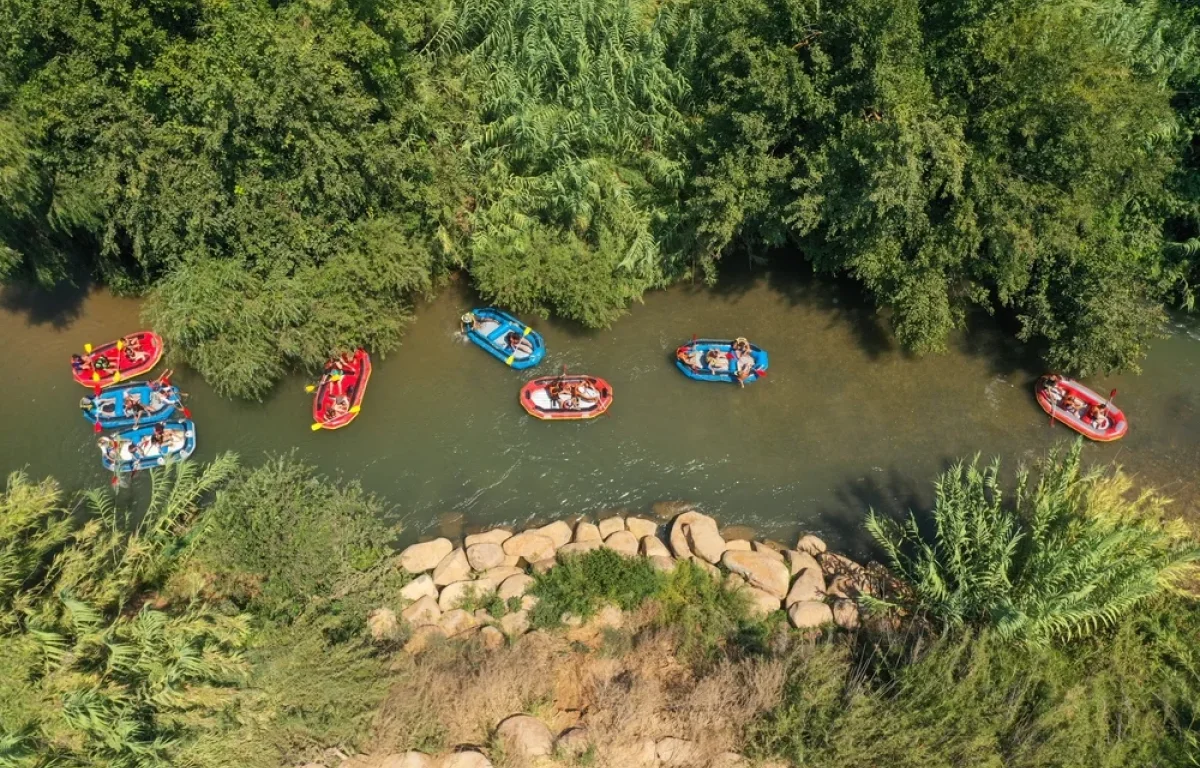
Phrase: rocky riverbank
x=819 y=590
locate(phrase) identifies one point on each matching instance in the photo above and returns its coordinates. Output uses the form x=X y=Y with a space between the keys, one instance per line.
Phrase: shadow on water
x=58 y=306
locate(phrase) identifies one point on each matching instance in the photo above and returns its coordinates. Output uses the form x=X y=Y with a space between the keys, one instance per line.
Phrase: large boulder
x=650 y=546
x=494 y=536
x=623 y=542
x=845 y=614
x=514 y=624
x=499 y=574
x=798 y=561
x=485 y=555
x=761 y=603
x=573 y=742
x=525 y=737
x=543 y=566
x=457 y=621
x=382 y=624
x=809 y=586
x=422 y=586
x=704 y=539
x=640 y=526
x=678 y=534
x=661 y=563
x=423 y=637
x=678 y=753
x=585 y=531
x=514 y=586
x=491 y=638
x=738 y=545
x=760 y=570
x=809 y=615
x=453 y=595
x=810 y=544
x=422 y=612
x=766 y=549
x=425 y=556
x=579 y=547
x=558 y=532
x=468 y=759
x=453 y=567
x=610 y=525
x=530 y=546
x=707 y=567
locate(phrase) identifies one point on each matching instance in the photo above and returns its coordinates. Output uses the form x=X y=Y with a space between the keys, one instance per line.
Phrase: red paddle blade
x=186 y=413
x=96 y=389
x=97 y=428
x=1112 y=394
x=760 y=373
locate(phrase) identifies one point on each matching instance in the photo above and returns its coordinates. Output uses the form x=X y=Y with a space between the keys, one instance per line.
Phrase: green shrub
x=699 y=607
x=1066 y=557
x=582 y=582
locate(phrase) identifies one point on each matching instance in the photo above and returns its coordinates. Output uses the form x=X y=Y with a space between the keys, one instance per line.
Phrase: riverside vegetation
x=260 y=617
x=282 y=178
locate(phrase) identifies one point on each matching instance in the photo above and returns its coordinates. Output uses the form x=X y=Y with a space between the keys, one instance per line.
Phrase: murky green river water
x=843 y=422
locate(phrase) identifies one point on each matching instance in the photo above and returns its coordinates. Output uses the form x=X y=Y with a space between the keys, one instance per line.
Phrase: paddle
x=310 y=388
x=321 y=425
x=513 y=356
x=1111 y=395
x=117 y=373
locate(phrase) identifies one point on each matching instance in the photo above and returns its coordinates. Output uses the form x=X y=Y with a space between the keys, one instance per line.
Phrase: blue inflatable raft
x=505 y=337
x=115 y=407
x=693 y=360
x=134 y=449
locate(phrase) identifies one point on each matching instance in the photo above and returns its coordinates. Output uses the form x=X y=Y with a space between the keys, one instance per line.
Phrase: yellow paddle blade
x=528 y=331
x=311 y=388
x=356 y=409
x=95 y=376
x=317 y=426
x=336 y=377
x=510 y=359
x=120 y=345
x=87 y=348
x=116 y=376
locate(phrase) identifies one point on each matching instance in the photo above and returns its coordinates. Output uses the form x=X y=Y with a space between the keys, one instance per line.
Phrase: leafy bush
x=581 y=582
x=1068 y=556
x=700 y=609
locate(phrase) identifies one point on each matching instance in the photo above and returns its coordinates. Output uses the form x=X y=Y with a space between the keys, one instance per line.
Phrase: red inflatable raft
x=1116 y=427
x=339 y=397
x=119 y=360
x=555 y=398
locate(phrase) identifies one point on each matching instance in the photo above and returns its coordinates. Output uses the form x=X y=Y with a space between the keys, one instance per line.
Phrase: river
x=843 y=422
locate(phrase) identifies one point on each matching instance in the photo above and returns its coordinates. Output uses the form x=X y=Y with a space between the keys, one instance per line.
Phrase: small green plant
x=582 y=582
x=701 y=609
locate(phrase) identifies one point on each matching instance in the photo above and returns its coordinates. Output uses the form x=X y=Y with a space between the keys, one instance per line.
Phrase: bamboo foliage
x=1066 y=557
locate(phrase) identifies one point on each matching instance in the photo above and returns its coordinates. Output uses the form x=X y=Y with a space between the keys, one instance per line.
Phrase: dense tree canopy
x=282 y=178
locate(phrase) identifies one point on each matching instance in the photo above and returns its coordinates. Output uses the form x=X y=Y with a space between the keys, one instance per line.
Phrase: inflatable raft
x=697 y=366
x=504 y=337
x=119 y=361
x=346 y=390
x=1117 y=424
x=115 y=407
x=133 y=449
x=557 y=398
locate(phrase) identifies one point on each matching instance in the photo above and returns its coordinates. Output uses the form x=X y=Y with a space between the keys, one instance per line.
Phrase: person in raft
x=100 y=363
x=743 y=360
x=1073 y=405
x=134 y=352
x=1051 y=385
x=79 y=365
x=716 y=361
x=106 y=406
x=110 y=449
x=1098 y=413
x=339 y=407
x=691 y=357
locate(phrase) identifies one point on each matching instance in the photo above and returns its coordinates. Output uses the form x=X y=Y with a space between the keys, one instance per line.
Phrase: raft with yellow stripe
x=504 y=337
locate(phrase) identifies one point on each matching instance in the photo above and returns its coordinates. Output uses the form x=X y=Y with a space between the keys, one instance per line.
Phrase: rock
x=760 y=570
x=681 y=753
x=608 y=617
x=810 y=544
x=407 y=760
x=491 y=638
x=482 y=616
x=705 y=540
x=845 y=587
x=524 y=737
x=514 y=624
x=761 y=603
x=513 y=561
x=610 y=525
x=468 y=759
x=573 y=742
x=810 y=614
x=528 y=602
x=587 y=532
x=798 y=561
x=651 y=547
x=558 y=532
x=498 y=575
x=667 y=510
x=738 y=545
x=514 y=586
x=678 y=533
x=494 y=536
x=424 y=611
x=485 y=556
x=707 y=567
x=382 y=624
x=767 y=550
x=662 y=563
x=808 y=587
x=530 y=546
x=838 y=565
x=623 y=542
x=543 y=566
x=641 y=527
x=453 y=567
x=422 y=586
x=457 y=621
x=579 y=547
x=845 y=614
x=423 y=637
x=453 y=595
x=423 y=557
x=733 y=582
